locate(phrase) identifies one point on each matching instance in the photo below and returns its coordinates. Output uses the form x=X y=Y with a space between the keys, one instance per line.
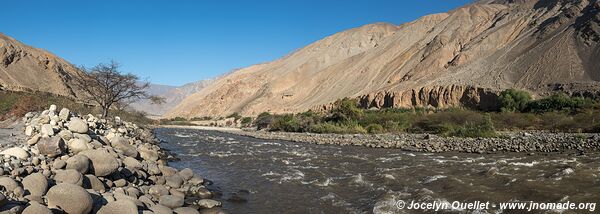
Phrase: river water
x=266 y=176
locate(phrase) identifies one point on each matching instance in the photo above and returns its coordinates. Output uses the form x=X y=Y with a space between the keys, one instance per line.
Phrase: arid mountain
x=173 y=96
x=462 y=57
x=24 y=68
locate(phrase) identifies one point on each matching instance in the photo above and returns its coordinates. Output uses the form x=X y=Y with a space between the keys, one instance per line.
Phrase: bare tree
x=106 y=86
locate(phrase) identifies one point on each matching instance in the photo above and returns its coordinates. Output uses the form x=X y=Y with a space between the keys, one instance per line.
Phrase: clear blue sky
x=180 y=41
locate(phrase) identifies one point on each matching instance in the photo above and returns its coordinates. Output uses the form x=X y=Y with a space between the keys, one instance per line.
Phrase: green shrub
x=263 y=120
x=236 y=116
x=512 y=121
x=286 y=122
x=345 y=110
x=375 y=129
x=246 y=121
x=203 y=118
x=484 y=129
x=329 y=127
x=560 y=102
x=512 y=100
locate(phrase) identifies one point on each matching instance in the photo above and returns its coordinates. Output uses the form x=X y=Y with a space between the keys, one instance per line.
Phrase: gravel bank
x=527 y=142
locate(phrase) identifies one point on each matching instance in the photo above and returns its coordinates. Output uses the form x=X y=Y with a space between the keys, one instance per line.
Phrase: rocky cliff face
x=24 y=68
x=462 y=57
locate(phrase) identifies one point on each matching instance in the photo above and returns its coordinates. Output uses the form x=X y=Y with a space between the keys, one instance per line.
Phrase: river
x=266 y=176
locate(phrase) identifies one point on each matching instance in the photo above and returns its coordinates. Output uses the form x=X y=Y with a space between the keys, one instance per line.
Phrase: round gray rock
x=77 y=125
x=70 y=176
x=122 y=144
x=120 y=206
x=79 y=162
x=36 y=208
x=186 y=173
x=103 y=163
x=16 y=152
x=160 y=209
x=77 y=145
x=186 y=210
x=170 y=201
x=70 y=198
x=36 y=184
x=174 y=181
x=8 y=183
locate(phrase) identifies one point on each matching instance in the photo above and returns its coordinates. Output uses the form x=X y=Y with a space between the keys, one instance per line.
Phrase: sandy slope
x=462 y=57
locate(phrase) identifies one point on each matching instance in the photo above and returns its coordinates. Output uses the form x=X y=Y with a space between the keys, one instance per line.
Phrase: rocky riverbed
x=527 y=142
x=59 y=161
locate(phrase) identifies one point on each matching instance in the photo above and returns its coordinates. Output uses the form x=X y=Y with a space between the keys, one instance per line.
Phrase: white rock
x=77 y=125
x=52 y=108
x=64 y=114
x=77 y=145
x=29 y=130
x=47 y=130
x=16 y=152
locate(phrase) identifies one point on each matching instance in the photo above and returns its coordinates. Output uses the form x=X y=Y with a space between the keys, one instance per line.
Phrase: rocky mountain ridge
x=462 y=57
x=25 y=68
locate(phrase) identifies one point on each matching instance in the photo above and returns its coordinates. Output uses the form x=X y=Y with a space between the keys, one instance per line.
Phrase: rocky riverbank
x=526 y=142
x=54 y=162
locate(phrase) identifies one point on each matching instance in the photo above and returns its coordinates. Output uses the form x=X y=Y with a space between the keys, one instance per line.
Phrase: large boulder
x=186 y=174
x=103 y=163
x=148 y=153
x=36 y=208
x=171 y=201
x=208 y=203
x=92 y=182
x=70 y=176
x=77 y=125
x=70 y=198
x=8 y=183
x=36 y=184
x=174 y=181
x=122 y=144
x=16 y=152
x=160 y=209
x=51 y=147
x=158 y=190
x=77 y=145
x=119 y=206
x=132 y=163
x=80 y=163
x=186 y=210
